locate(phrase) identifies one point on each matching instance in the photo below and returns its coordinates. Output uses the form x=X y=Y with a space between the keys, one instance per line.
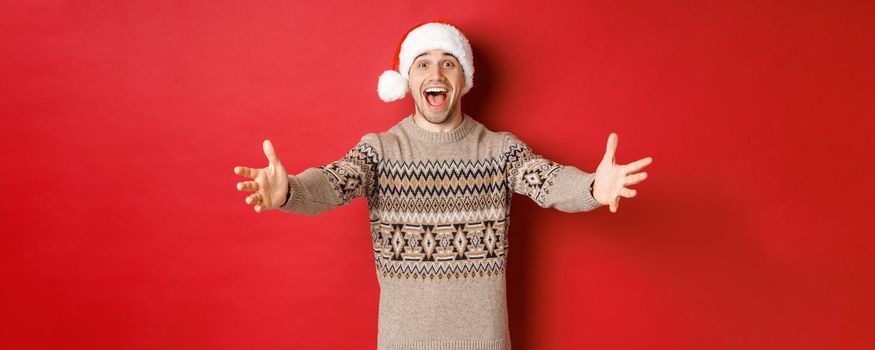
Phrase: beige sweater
x=439 y=205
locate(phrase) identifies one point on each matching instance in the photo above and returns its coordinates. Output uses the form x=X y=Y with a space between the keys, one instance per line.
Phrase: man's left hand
x=611 y=178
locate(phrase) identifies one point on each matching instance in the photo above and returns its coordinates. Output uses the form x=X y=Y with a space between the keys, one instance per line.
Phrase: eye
x=449 y=64
x=422 y=65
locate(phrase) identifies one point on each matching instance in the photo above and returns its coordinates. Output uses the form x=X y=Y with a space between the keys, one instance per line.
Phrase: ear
x=463 y=80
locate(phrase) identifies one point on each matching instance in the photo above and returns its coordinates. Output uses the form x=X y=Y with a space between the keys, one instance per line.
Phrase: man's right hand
x=269 y=184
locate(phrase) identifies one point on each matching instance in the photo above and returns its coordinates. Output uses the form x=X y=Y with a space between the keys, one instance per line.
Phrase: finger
x=611 y=149
x=613 y=205
x=269 y=152
x=246 y=172
x=247 y=186
x=628 y=192
x=258 y=208
x=253 y=198
x=638 y=165
x=635 y=178
x=616 y=204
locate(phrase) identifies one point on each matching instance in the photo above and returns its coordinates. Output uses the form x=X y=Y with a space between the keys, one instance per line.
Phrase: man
x=439 y=188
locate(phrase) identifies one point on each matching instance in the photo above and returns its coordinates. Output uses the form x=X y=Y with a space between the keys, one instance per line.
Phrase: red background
x=122 y=121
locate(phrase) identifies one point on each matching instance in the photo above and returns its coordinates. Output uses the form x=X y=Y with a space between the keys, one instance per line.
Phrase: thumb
x=270 y=152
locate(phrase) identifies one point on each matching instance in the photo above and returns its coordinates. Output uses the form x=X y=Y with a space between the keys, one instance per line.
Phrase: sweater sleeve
x=319 y=189
x=549 y=184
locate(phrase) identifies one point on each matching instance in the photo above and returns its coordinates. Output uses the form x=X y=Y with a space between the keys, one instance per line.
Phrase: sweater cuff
x=570 y=192
x=588 y=200
x=296 y=195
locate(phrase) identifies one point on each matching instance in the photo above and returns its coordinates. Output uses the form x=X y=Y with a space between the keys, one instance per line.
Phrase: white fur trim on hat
x=429 y=36
x=392 y=86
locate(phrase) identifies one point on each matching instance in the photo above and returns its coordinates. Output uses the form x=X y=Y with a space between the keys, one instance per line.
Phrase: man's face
x=436 y=80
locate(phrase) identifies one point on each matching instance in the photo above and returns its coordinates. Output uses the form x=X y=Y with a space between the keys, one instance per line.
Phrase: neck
x=412 y=129
x=454 y=120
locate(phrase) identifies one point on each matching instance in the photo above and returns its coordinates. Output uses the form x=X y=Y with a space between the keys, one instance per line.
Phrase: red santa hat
x=438 y=34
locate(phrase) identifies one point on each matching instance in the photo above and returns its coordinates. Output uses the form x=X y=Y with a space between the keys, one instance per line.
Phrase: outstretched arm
x=317 y=189
x=549 y=184
x=565 y=187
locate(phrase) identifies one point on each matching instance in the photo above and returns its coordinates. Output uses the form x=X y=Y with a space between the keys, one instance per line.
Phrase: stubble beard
x=435 y=117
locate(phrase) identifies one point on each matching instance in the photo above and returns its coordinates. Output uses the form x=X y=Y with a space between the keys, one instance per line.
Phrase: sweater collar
x=456 y=134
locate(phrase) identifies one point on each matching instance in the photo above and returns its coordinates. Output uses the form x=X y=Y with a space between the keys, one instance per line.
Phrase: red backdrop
x=122 y=121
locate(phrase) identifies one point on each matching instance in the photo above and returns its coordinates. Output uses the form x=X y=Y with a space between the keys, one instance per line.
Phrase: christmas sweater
x=439 y=209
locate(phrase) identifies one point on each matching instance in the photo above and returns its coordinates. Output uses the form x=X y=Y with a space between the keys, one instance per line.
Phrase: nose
x=435 y=73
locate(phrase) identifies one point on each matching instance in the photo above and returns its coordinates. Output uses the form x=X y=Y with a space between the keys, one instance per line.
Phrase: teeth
x=435 y=89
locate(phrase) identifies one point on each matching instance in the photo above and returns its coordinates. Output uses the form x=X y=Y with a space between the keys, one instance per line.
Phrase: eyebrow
x=423 y=54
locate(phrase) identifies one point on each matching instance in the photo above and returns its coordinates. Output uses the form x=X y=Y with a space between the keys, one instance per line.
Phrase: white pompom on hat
x=436 y=35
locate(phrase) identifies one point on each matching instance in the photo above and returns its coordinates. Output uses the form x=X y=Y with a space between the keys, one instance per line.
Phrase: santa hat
x=440 y=35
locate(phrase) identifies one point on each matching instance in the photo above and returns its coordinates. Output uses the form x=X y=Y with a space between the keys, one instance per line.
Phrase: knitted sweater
x=439 y=207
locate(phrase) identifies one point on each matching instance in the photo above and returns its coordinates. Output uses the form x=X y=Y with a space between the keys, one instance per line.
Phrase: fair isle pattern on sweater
x=439 y=207
x=353 y=176
x=406 y=246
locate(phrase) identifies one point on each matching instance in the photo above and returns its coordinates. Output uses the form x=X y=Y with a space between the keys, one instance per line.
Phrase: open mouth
x=436 y=97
